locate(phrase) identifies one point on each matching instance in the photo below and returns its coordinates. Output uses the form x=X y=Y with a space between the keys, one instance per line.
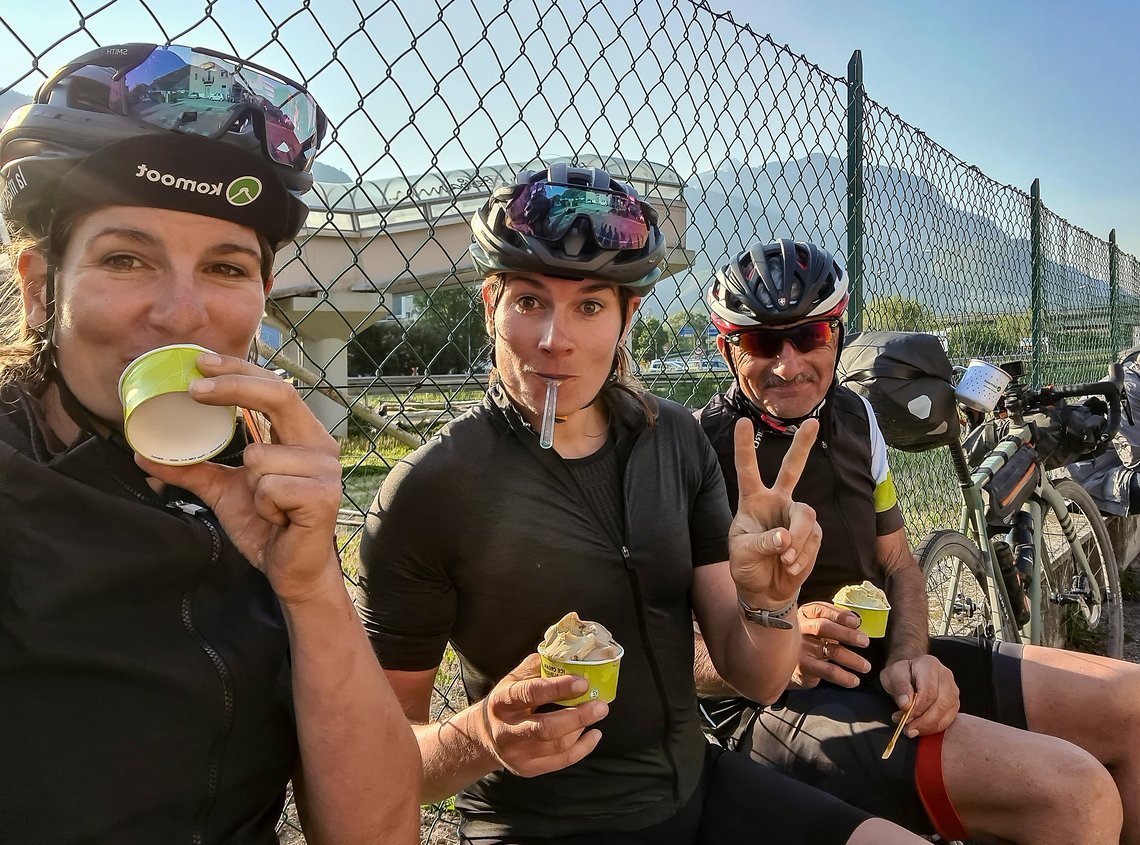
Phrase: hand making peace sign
x=773 y=541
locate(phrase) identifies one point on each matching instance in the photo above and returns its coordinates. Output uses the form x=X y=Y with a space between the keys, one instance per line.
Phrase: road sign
x=711 y=330
x=686 y=331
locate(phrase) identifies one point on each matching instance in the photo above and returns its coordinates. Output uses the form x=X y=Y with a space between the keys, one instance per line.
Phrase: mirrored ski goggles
x=767 y=343
x=548 y=211
x=193 y=90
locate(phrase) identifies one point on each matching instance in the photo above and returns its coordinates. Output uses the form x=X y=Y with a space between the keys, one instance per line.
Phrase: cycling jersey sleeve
x=888 y=516
x=408 y=600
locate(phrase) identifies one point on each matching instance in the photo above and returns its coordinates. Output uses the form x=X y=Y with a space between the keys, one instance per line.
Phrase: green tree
x=898 y=314
x=990 y=337
x=697 y=319
x=445 y=336
x=648 y=338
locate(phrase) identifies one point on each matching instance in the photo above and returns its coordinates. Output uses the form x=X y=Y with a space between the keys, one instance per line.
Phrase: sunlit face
x=550 y=328
x=789 y=385
x=133 y=279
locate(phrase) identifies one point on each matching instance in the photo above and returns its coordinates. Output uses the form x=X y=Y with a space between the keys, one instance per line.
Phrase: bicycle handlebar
x=1112 y=389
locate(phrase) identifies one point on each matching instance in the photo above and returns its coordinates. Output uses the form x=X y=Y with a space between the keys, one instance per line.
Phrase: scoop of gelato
x=862 y=595
x=572 y=638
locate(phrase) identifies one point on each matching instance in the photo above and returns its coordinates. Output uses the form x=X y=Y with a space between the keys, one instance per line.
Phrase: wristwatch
x=769 y=618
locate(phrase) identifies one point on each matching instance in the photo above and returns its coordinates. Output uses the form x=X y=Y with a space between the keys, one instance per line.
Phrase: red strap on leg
x=931 y=787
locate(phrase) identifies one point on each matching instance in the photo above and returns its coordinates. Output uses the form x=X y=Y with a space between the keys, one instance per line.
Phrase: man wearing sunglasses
x=778 y=309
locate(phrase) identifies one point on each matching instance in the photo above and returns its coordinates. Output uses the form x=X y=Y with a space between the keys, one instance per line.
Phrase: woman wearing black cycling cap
x=176 y=642
x=572 y=489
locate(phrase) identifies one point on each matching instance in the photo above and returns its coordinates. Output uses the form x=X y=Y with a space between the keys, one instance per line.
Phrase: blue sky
x=1021 y=89
x=1024 y=89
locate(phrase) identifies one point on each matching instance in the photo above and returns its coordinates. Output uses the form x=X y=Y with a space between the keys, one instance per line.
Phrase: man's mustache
x=800 y=378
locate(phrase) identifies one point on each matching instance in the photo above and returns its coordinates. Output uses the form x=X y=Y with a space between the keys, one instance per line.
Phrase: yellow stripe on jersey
x=885 y=495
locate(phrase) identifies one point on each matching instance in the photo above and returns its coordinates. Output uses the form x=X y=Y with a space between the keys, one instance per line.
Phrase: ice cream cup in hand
x=160 y=420
x=573 y=646
x=870 y=603
x=601 y=674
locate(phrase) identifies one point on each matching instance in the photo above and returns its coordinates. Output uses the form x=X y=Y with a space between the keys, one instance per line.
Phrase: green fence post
x=855 y=190
x=1036 y=310
x=1113 y=297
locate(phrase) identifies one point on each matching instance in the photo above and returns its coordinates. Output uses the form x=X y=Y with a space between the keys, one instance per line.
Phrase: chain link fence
x=376 y=314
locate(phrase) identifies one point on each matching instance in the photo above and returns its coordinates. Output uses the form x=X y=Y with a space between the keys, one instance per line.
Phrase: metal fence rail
x=732 y=136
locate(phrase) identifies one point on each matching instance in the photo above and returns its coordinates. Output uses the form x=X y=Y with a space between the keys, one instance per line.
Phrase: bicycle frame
x=975 y=525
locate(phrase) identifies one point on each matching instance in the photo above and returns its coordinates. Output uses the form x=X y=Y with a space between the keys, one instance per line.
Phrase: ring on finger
x=827 y=644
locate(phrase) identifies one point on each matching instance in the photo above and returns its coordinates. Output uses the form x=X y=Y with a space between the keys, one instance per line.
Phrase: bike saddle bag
x=1011 y=486
x=908 y=380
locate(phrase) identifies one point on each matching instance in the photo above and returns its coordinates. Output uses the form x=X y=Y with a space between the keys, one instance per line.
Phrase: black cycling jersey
x=144 y=664
x=832 y=737
x=853 y=498
x=485 y=539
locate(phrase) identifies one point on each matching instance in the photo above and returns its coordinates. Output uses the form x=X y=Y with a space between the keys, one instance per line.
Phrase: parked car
x=715 y=362
x=662 y=365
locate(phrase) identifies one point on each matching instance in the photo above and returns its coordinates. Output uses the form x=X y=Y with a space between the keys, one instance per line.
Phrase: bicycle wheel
x=945 y=557
x=1071 y=618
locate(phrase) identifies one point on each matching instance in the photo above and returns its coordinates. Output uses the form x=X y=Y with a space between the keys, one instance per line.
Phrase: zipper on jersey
x=217 y=751
x=654 y=669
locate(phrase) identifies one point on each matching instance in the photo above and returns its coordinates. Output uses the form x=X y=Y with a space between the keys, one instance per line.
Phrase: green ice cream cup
x=160 y=420
x=872 y=620
x=602 y=675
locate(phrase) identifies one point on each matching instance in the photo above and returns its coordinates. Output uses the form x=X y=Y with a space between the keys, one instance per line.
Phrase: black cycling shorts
x=833 y=738
x=736 y=803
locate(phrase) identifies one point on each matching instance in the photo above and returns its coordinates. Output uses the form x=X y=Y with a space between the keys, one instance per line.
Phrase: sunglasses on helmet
x=548 y=211
x=767 y=343
x=196 y=91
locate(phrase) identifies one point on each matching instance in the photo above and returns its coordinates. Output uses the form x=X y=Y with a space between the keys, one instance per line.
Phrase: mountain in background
x=327 y=173
x=9 y=102
x=917 y=243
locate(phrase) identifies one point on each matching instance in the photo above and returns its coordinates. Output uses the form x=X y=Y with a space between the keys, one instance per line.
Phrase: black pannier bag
x=908 y=380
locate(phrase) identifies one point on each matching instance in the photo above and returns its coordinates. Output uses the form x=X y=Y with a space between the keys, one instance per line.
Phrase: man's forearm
x=910 y=626
x=708 y=680
x=454 y=755
x=759 y=661
x=358 y=753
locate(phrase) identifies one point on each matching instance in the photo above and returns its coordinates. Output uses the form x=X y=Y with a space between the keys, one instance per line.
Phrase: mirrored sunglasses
x=767 y=343
x=196 y=91
x=548 y=211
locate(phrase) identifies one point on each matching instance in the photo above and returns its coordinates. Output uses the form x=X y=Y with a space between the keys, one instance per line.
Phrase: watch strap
x=769 y=618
